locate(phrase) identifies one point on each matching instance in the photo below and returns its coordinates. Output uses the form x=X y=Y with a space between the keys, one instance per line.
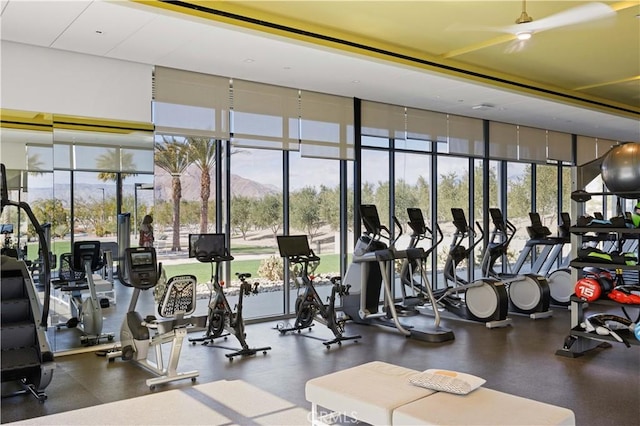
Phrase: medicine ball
x=588 y=289
x=591 y=287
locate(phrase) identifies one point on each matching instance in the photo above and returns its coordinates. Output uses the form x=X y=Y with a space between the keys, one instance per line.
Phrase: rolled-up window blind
x=466 y=135
x=383 y=120
x=559 y=146
x=207 y=95
x=532 y=144
x=326 y=126
x=587 y=149
x=426 y=125
x=265 y=116
x=503 y=141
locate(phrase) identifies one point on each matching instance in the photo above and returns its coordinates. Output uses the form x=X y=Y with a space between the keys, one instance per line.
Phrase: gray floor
x=601 y=387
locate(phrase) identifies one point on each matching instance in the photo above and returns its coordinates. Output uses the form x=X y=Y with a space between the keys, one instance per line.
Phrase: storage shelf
x=579 y=341
x=579 y=264
x=633 y=232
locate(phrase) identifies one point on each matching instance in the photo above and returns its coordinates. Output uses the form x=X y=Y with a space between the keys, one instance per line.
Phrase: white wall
x=60 y=82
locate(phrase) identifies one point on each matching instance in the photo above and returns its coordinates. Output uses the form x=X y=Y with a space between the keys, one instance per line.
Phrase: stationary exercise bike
x=137 y=334
x=309 y=304
x=211 y=248
x=528 y=293
x=76 y=278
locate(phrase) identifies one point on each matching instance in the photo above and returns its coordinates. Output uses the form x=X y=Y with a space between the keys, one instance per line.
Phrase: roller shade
x=326 y=126
x=426 y=125
x=503 y=141
x=559 y=146
x=587 y=149
x=185 y=99
x=265 y=116
x=466 y=136
x=383 y=120
x=532 y=144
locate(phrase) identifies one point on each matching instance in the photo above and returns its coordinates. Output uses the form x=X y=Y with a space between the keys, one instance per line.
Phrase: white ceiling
x=139 y=33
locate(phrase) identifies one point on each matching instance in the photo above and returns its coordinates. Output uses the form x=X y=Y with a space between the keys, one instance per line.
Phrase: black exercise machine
x=212 y=249
x=309 y=304
x=528 y=293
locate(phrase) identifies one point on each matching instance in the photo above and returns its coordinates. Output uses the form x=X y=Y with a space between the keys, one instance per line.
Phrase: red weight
x=588 y=289
x=624 y=297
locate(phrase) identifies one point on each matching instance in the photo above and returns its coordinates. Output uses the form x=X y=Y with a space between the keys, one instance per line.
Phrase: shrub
x=271 y=268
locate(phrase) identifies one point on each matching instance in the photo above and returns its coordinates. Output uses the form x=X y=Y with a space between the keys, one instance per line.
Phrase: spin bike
x=211 y=248
x=528 y=293
x=76 y=278
x=138 y=335
x=484 y=300
x=309 y=304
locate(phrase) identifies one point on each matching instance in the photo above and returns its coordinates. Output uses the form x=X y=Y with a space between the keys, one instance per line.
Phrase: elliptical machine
x=137 y=335
x=484 y=300
x=308 y=303
x=528 y=293
x=561 y=285
x=212 y=249
x=370 y=273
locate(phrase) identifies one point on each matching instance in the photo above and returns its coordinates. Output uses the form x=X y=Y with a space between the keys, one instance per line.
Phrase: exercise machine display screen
x=142 y=260
x=6 y=228
x=416 y=220
x=207 y=245
x=86 y=250
x=293 y=245
x=142 y=270
x=370 y=218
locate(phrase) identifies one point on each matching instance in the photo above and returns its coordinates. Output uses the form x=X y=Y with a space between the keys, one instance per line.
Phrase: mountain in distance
x=162 y=189
x=191 y=186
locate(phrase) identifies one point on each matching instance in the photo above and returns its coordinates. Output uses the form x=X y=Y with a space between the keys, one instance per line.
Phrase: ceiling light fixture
x=524 y=16
x=524 y=35
x=482 y=107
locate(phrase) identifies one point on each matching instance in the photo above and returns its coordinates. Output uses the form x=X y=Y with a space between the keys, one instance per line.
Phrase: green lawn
x=330 y=264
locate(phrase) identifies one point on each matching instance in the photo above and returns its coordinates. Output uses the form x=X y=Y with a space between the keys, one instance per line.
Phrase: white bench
x=379 y=393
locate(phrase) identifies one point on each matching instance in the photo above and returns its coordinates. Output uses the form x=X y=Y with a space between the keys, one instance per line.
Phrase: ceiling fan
x=525 y=26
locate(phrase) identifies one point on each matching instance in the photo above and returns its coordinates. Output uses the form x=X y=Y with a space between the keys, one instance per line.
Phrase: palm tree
x=172 y=156
x=110 y=159
x=202 y=152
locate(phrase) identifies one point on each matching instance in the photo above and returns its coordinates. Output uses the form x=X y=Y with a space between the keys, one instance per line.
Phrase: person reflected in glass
x=146 y=232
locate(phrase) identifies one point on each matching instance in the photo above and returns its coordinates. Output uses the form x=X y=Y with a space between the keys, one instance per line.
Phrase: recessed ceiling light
x=524 y=35
x=248 y=60
x=355 y=81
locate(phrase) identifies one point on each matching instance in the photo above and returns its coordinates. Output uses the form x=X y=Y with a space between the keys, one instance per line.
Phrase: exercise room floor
x=602 y=387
